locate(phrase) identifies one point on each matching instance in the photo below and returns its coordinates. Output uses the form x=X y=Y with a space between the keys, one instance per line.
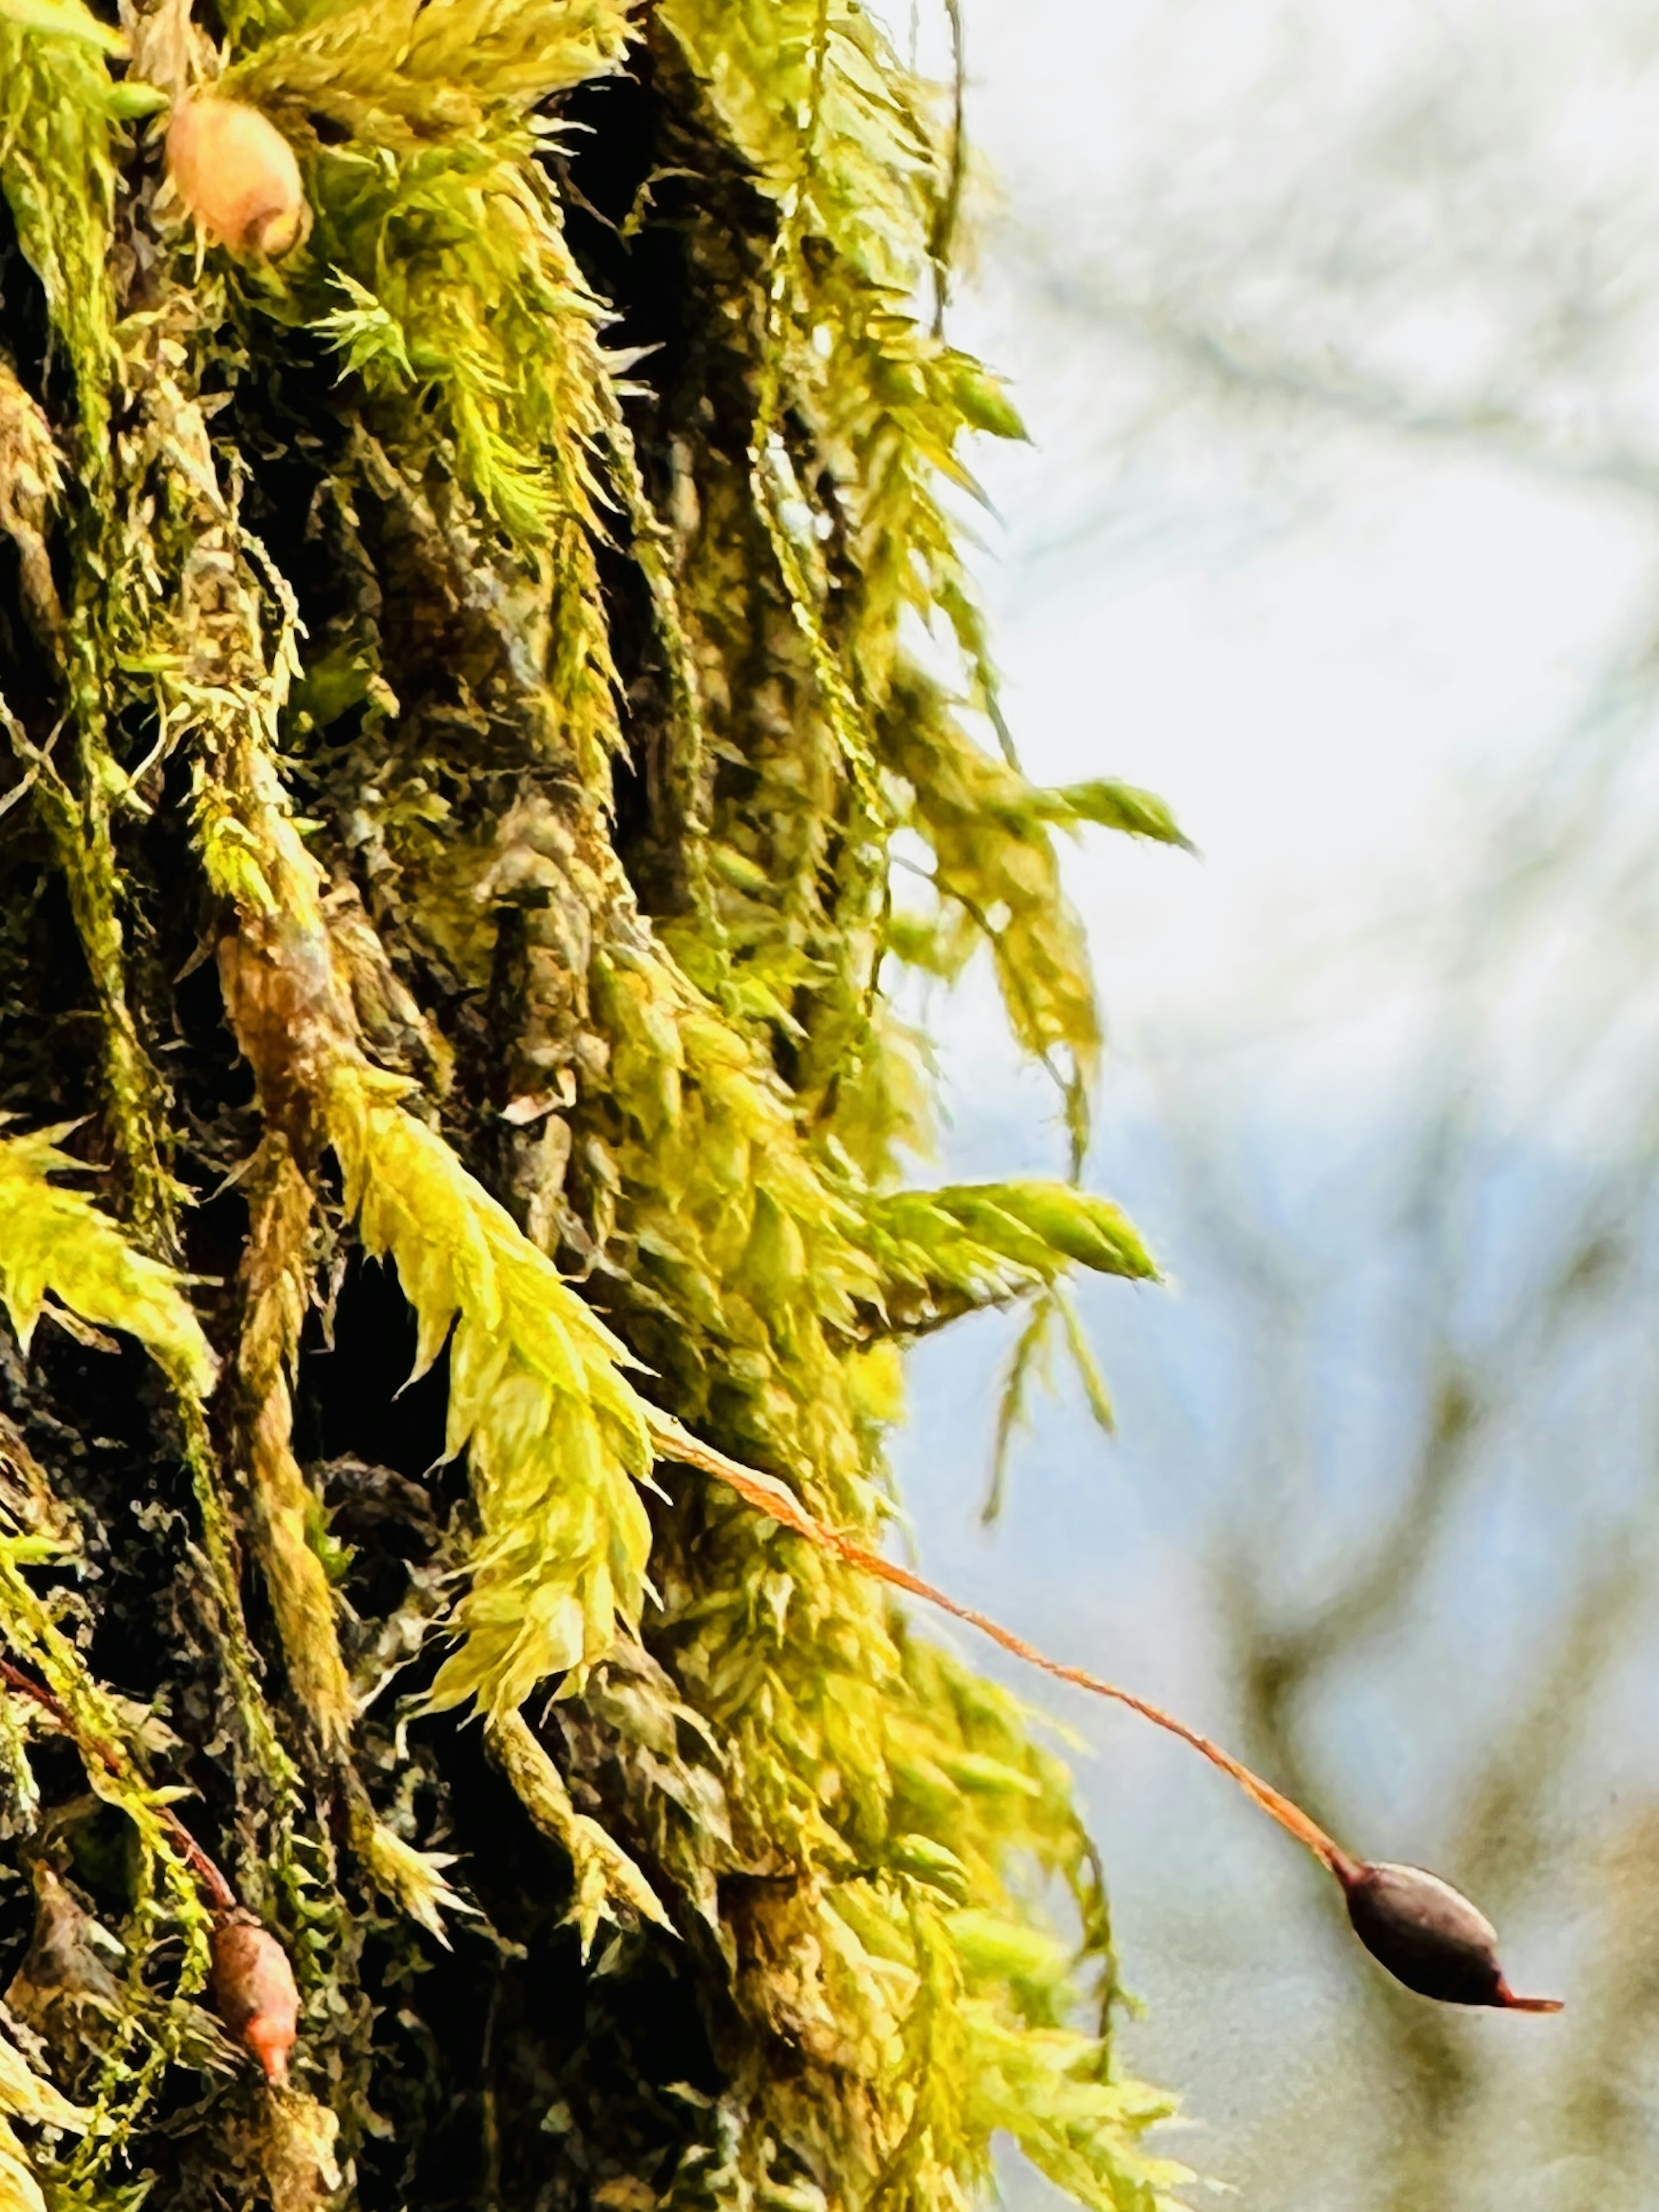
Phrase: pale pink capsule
x=253 y=1988
x=237 y=175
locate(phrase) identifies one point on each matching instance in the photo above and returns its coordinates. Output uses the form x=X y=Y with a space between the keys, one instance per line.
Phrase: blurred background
x=1336 y=328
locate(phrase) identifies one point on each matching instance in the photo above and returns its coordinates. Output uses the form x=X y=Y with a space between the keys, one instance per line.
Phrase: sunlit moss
x=521 y=727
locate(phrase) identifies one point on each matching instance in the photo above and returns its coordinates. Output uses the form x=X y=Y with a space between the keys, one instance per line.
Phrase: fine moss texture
x=461 y=684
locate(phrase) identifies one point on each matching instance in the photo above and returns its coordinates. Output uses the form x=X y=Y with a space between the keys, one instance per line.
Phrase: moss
x=465 y=697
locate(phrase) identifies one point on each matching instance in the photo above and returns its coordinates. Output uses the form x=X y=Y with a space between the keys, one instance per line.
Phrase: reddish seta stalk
x=252 y=1982
x=1424 y=1932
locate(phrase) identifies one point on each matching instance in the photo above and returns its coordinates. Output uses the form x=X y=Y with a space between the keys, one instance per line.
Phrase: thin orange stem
x=219 y=1891
x=769 y=1496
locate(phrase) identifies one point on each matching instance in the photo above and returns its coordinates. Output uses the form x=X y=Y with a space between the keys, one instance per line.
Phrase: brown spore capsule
x=254 y=1990
x=1430 y=1936
x=237 y=175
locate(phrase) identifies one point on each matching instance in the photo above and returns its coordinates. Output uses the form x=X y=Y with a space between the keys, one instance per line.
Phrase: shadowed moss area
x=462 y=683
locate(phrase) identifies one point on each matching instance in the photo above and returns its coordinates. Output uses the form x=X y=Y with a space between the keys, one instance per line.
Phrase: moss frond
x=276 y=1273
x=413 y=1881
x=445 y=70
x=25 y=2095
x=607 y=1884
x=59 y=152
x=557 y=1440
x=949 y=1251
x=55 y=1242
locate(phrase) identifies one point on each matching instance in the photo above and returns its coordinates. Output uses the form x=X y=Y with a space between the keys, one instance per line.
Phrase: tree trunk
x=461 y=687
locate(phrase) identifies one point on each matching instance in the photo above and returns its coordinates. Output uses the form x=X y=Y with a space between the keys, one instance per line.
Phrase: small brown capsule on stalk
x=253 y=1988
x=1418 y=1927
x=1430 y=1936
x=236 y=173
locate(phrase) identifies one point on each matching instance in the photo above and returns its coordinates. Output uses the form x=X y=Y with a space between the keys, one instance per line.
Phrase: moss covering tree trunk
x=461 y=683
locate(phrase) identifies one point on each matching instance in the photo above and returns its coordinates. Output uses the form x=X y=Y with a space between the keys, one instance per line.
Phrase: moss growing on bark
x=461 y=685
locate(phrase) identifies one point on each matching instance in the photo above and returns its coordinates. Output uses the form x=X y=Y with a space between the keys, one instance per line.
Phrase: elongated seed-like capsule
x=254 y=1990
x=1426 y=1933
x=237 y=175
x=1431 y=1937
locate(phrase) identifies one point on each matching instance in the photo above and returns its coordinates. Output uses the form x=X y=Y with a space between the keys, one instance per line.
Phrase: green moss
x=523 y=727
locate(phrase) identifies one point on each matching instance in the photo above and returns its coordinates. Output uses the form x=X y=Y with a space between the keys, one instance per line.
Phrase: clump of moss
x=460 y=686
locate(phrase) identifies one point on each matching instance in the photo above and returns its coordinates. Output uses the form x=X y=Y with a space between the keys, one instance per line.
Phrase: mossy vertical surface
x=463 y=682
